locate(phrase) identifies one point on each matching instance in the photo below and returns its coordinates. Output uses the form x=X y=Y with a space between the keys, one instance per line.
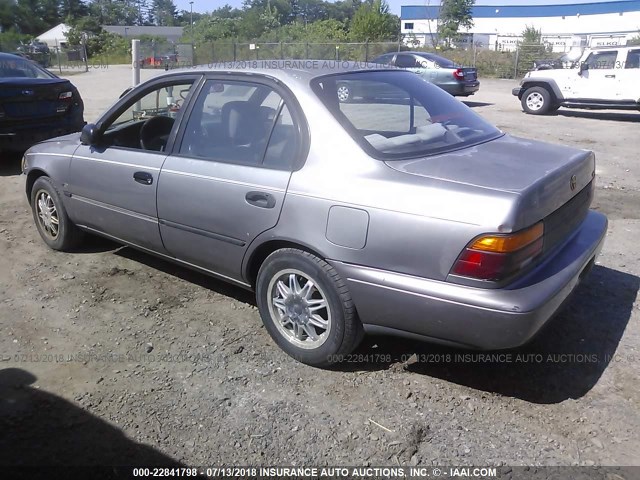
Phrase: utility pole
x=191 y=20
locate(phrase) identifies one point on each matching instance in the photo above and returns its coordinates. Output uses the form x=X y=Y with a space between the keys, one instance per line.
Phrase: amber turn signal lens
x=508 y=243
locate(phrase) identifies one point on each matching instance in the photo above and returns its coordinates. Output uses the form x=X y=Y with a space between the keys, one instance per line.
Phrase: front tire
x=536 y=101
x=307 y=308
x=51 y=218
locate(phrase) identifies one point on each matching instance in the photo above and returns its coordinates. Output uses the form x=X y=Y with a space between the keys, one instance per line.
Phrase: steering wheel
x=154 y=133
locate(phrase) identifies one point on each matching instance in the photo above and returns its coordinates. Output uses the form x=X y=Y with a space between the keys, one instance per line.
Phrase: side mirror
x=584 y=67
x=89 y=135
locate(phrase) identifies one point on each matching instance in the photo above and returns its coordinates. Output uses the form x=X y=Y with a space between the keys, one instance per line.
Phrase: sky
x=208 y=5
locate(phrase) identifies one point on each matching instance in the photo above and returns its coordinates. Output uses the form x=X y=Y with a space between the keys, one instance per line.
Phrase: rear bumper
x=20 y=138
x=488 y=319
x=461 y=88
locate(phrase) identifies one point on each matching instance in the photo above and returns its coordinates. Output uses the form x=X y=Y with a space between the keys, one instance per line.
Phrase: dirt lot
x=112 y=356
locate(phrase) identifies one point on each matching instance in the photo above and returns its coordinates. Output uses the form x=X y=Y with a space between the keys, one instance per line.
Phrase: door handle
x=144 y=178
x=609 y=76
x=260 y=199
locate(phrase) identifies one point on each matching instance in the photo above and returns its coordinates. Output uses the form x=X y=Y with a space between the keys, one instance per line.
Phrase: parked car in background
x=168 y=60
x=37 y=51
x=35 y=104
x=411 y=218
x=603 y=78
x=446 y=74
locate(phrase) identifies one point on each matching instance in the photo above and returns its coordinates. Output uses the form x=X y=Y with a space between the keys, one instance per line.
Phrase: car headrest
x=242 y=121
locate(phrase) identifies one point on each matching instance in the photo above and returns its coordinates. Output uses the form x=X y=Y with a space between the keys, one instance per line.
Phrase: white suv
x=604 y=78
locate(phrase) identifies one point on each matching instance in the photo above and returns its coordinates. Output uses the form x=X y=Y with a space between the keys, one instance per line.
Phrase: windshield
x=398 y=115
x=16 y=67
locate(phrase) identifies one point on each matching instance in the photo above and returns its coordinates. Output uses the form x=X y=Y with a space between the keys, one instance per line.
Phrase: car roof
x=286 y=69
x=9 y=56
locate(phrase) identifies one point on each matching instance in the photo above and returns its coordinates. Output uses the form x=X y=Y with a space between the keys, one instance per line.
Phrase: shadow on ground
x=471 y=104
x=42 y=429
x=10 y=164
x=563 y=362
x=188 y=275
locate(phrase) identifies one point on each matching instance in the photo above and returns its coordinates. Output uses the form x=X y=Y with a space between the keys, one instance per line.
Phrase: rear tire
x=50 y=216
x=344 y=93
x=536 y=101
x=307 y=308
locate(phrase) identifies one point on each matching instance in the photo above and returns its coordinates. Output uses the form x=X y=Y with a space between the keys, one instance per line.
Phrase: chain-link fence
x=489 y=62
x=65 y=60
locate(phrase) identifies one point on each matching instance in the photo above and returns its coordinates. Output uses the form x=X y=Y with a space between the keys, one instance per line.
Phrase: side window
x=283 y=143
x=384 y=59
x=405 y=61
x=633 y=59
x=234 y=121
x=602 y=60
x=148 y=119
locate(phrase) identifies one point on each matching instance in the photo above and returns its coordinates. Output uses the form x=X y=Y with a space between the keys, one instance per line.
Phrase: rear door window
x=406 y=61
x=633 y=59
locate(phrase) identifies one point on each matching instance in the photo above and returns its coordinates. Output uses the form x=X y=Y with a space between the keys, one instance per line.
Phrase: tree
x=453 y=15
x=165 y=12
x=73 y=9
x=7 y=15
x=115 y=12
x=373 y=22
x=531 y=48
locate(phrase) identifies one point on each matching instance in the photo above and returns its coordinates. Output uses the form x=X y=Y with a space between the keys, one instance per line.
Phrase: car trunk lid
x=469 y=74
x=30 y=98
x=544 y=177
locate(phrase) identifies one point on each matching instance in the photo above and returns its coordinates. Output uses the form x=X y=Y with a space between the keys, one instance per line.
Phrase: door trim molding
x=205 y=233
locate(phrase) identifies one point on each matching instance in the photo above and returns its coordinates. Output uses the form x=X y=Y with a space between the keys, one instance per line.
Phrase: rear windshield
x=398 y=115
x=20 y=68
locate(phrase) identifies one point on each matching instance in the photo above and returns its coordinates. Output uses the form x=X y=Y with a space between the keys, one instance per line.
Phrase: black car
x=35 y=104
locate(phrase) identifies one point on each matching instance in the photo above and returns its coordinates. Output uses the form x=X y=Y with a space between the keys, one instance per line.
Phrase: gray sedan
x=410 y=217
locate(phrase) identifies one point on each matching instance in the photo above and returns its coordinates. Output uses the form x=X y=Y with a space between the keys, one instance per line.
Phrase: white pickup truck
x=604 y=78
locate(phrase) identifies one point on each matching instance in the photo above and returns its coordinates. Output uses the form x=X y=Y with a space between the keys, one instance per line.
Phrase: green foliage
x=164 y=13
x=531 y=49
x=454 y=14
x=531 y=36
x=10 y=40
x=373 y=22
x=211 y=29
x=115 y=12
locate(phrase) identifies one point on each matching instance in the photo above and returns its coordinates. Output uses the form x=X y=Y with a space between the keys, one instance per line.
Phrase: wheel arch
x=33 y=175
x=547 y=84
x=257 y=255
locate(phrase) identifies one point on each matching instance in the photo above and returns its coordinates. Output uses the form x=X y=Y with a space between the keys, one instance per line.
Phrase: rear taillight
x=496 y=257
x=459 y=74
x=65 y=98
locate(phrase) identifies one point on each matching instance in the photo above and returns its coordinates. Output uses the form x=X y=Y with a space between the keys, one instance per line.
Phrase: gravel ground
x=112 y=356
